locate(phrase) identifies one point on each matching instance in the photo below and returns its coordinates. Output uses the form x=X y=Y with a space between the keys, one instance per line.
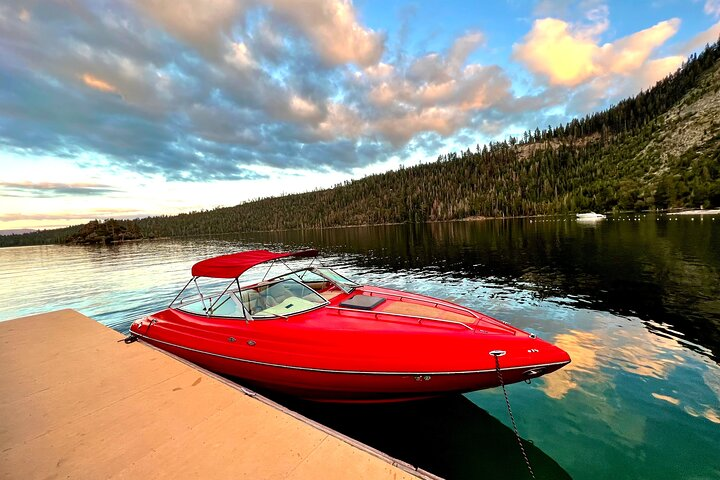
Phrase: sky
x=124 y=109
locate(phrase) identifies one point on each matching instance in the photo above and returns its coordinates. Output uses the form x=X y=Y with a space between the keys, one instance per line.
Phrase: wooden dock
x=77 y=402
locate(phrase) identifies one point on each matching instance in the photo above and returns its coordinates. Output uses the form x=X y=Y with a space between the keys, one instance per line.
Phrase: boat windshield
x=280 y=299
x=219 y=305
x=321 y=279
x=342 y=282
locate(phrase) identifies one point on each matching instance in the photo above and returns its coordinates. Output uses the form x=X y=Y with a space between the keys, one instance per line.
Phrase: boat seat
x=276 y=295
x=251 y=299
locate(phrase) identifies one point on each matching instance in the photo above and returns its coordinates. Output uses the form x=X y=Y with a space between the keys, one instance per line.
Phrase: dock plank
x=77 y=403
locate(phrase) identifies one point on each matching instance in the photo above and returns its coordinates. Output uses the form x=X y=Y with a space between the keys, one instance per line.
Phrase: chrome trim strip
x=349 y=372
x=424 y=299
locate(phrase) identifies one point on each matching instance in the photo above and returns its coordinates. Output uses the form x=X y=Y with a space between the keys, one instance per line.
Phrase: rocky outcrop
x=107 y=232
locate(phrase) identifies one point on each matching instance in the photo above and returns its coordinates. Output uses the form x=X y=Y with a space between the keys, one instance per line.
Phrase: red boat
x=314 y=334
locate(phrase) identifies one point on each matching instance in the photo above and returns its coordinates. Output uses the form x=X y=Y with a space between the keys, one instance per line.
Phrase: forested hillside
x=657 y=150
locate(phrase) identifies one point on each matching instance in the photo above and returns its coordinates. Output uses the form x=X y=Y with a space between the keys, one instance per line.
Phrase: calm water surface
x=635 y=300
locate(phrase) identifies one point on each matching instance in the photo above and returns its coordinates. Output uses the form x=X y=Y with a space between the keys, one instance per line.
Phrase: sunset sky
x=132 y=108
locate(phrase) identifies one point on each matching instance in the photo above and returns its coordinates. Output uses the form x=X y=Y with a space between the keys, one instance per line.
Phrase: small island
x=105 y=233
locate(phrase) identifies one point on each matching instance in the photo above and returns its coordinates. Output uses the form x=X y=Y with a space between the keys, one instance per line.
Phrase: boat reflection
x=449 y=436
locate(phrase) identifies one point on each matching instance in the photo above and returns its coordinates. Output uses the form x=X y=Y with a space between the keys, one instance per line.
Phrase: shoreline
x=712 y=211
x=473 y=218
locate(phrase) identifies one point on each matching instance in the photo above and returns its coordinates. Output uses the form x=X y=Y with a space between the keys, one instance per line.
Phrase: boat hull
x=407 y=347
x=325 y=385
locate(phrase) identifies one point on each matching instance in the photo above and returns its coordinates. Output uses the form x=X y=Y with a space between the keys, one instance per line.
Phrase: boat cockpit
x=289 y=294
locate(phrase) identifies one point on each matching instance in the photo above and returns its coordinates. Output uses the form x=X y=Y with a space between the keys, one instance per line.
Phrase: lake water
x=635 y=300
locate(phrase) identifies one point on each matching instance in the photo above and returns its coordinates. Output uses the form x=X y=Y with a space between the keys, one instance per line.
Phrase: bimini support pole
x=246 y=311
x=202 y=299
x=268 y=271
x=181 y=291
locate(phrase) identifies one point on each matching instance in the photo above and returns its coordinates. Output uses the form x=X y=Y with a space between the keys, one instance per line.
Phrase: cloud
x=96 y=83
x=703 y=38
x=712 y=7
x=333 y=29
x=331 y=26
x=569 y=56
x=49 y=189
x=202 y=91
x=117 y=213
x=224 y=87
x=629 y=54
x=437 y=92
x=553 y=49
x=200 y=25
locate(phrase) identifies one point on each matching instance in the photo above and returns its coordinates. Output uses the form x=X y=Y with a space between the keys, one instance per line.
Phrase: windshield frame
x=346 y=287
x=209 y=301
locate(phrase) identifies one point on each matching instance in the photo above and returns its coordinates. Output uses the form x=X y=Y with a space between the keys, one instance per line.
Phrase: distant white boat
x=589 y=217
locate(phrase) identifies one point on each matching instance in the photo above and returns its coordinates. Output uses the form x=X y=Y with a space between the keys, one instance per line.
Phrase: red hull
x=335 y=354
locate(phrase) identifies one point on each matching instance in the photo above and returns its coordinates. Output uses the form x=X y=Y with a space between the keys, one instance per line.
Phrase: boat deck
x=417 y=309
x=77 y=402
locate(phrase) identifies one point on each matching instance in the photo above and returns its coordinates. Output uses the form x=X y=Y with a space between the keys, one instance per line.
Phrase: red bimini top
x=233 y=265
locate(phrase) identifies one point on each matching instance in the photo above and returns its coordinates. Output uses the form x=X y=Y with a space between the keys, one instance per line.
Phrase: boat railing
x=419 y=318
x=417 y=298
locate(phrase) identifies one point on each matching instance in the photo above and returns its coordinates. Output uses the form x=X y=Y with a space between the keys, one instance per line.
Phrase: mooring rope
x=497 y=354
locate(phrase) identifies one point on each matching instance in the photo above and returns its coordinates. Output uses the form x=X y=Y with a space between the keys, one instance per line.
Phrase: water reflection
x=634 y=302
x=664 y=272
x=609 y=350
x=582 y=348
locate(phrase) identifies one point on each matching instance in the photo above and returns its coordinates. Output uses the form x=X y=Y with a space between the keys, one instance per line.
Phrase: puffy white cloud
x=555 y=50
x=200 y=24
x=436 y=93
x=571 y=55
x=331 y=26
x=333 y=29
x=658 y=69
x=629 y=54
